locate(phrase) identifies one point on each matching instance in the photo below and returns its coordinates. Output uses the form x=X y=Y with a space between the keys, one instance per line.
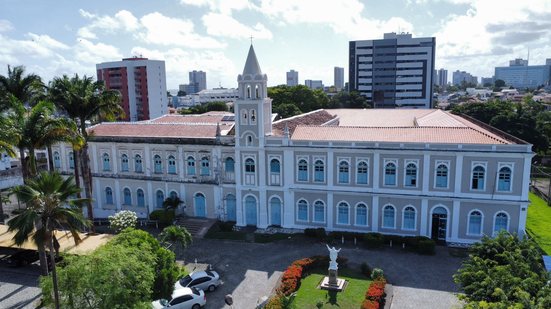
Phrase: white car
x=205 y=280
x=184 y=298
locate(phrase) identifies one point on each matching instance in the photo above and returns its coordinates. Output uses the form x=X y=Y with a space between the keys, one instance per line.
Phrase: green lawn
x=308 y=294
x=538 y=223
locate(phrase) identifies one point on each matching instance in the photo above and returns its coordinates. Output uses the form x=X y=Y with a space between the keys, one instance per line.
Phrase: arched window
x=253 y=116
x=248 y=91
x=504 y=179
x=71 y=160
x=127 y=196
x=319 y=171
x=302 y=170
x=173 y=195
x=361 y=214
x=171 y=165
x=319 y=211
x=475 y=223
x=389 y=216
x=190 y=165
x=275 y=211
x=230 y=165
x=344 y=172
x=361 y=173
x=302 y=209
x=205 y=171
x=343 y=213
x=57 y=160
x=249 y=141
x=231 y=207
x=106 y=162
x=249 y=166
x=411 y=175
x=477 y=182
x=390 y=174
x=257 y=92
x=124 y=163
x=158 y=164
x=244 y=118
x=138 y=166
x=141 y=198
x=501 y=222
x=408 y=222
x=160 y=198
x=442 y=176
x=108 y=196
x=275 y=166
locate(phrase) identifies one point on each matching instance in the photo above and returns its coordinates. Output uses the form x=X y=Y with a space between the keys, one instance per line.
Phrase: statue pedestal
x=332 y=282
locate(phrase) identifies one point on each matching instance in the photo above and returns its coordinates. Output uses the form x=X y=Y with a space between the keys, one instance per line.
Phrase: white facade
x=209 y=95
x=146 y=98
x=451 y=179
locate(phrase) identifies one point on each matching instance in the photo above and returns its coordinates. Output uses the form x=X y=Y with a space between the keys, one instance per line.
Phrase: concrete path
x=19 y=287
x=250 y=270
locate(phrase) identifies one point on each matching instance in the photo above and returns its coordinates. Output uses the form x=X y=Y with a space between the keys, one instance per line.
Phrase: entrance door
x=230 y=207
x=275 y=211
x=199 y=201
x=250 y=211
x=439 y=223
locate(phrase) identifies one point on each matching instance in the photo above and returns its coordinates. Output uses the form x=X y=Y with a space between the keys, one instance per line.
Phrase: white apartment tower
x=292 y=78
x=338 y=78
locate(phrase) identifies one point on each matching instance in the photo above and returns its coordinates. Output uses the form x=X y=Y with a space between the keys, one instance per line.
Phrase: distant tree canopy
x=290 y=101
x=203 y=108
x=181 y=93
x=526 y=120
x=499 y=83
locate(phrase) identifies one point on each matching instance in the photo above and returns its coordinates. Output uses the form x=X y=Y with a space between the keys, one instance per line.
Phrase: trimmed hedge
x=318 y=233
x=419 y=244
x=165 y=217
x=374 y=240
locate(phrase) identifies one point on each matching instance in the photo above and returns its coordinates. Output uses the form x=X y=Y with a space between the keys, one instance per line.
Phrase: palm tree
x=177 y=236
x=85 y=101
x=172 y=203
x=26 y=88
x=6 y=142
x=49 y=206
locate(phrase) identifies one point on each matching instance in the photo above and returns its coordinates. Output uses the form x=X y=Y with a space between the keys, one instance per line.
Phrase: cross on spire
x=251 y=40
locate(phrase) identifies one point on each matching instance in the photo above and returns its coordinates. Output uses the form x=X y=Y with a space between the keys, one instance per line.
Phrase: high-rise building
x=198 y=79
x=292 y=78
x=442 y=77
x=458 y=77
x=393 y=72
x=141 y=83
x=521 y=75
x=487 y=80
x=313 y=84
x=338 y=78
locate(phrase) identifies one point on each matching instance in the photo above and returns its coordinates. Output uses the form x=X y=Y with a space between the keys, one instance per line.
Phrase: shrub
x=226 y=226
x=426 y=246
x=347 y=236
x=122 y=220
x=369 y=304
x=318 y=233
x=366 y=270
x=376 y=274
x=397 y=240
x=274 y=302
x=374 y=240
x=375 y=294
x=165 y=217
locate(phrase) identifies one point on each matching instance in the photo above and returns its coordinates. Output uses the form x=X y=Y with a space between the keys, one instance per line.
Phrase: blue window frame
x=389 y=214
x=390 y=174
x=106 y=162
x=138 y=166
x=409 y=218
x=249 y=166
x=504 y=179
x=343 y=213
x=108 y=196
x=319 y=211
x=124 y=163
x=71 y=160
x=205 y=171
x=302 y=170
x=361 y=173
x=477 y=182
x=160 y=198
x=411 y=175
x=275 y=166
x=141 y=198
x=171 y=165
x=319 y=171
x=302 y=210
x=475 y=223
x=230 y=165
x=127 y=196
x=190 y=165
x=442 y=176
x=57 y=160
x=344 y=172
x=361 y=214
x=158 y=164
x=501 y=222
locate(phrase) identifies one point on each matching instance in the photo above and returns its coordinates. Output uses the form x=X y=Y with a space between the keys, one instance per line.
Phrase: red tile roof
x=317 y=117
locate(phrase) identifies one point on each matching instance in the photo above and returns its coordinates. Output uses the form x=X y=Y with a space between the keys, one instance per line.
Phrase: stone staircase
x=197 y=227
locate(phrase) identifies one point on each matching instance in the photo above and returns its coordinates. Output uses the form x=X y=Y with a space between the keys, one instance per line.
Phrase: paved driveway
x=19 y=287
x=250 y=270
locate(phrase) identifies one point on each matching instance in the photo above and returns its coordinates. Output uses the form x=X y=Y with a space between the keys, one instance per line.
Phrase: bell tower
x=253 y=108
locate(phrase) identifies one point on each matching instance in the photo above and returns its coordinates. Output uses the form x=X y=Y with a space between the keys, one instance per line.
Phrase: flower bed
x=375 y=295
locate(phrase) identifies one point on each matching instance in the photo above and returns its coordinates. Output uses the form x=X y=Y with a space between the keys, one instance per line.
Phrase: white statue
x=333 y=256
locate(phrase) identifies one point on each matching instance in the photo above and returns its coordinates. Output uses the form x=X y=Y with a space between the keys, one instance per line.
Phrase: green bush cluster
x=318 y=233
x=165 y=217
x=419 y=244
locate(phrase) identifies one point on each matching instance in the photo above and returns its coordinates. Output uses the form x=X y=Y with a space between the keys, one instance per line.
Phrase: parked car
x=183 y=298
x=207 y=280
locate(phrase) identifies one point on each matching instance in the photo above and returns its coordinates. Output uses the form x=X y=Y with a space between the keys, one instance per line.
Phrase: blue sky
x=52 y=38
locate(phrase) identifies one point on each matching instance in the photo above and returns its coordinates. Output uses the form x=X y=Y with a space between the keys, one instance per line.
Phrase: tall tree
x=49 y=206
x=178 y=237
x=85 y=101
x=26 y=88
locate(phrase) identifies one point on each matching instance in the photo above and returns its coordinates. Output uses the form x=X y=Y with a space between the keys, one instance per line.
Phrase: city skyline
x=311 y=36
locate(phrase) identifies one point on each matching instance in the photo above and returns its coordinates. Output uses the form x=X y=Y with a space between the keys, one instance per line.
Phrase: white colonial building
x=405 y=172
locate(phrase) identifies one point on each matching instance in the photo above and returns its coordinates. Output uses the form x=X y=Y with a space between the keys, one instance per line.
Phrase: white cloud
x=88 y=52
x=222 y=6
x=5 y=25
x=47 y=41
x=342 y=16
x=163 y=30
x=36 y=46
x=226 y=26
x=122 y=21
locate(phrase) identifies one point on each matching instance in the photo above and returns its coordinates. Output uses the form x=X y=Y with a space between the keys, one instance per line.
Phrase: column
x=424 y=217
x=117 y=195
x=459 y=173
x=330 y=210
x=523 y=211
x=149 y=199
x=375 y=214
x=376 y=170
x=115 y=159
x=455 y=219
x=147 y=160
x=426 y=173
